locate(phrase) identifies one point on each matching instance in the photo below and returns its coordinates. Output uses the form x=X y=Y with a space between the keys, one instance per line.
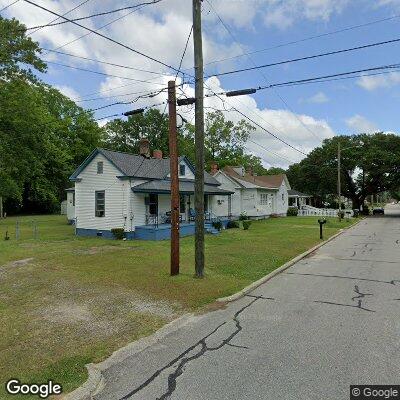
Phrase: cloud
x=379 y=81
x=360 y=124
x=284 y=13
x=69 y=92
x=318 y=98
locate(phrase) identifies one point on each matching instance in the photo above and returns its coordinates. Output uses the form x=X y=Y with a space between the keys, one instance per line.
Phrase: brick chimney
x=144 y=147
x=249 y=170
x=214 y=168
x=157 y=154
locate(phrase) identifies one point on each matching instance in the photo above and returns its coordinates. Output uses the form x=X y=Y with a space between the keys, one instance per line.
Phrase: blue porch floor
x=163 y=231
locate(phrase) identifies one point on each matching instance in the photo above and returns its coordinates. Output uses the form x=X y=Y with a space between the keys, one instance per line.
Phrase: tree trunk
x=1 y=207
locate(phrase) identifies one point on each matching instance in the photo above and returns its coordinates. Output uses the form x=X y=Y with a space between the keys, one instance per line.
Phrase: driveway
x=329 y=321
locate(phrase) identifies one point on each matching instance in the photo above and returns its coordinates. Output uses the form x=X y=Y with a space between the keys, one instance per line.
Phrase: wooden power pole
x=173 y=154
x=199 y=140
x=338 y=183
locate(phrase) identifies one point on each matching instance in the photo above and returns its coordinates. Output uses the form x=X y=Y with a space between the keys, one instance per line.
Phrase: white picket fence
x=309 y=211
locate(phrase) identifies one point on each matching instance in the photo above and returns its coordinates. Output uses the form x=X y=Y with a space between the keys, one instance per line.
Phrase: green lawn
x=68 y=301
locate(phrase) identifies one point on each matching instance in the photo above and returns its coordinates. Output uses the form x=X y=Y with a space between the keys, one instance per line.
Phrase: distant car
x=378 y=210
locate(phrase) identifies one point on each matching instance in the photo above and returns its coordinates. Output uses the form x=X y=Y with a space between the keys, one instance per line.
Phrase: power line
x=307 y=57
x=304 y=39
x=38 y=28
x=260 y=72
x=11 y=4
x=98 y=29
x=93 y=15
x=104 y=74
x=184 y=53
x=107 y=62
x=105 y=37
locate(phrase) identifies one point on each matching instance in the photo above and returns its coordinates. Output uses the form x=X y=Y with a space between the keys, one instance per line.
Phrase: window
x=73 y=199
x=264 y=199
x=153 y=204
x=182 y=169
x=283 y=196
x=100 y=167
x=100 y=203
x=182 y=203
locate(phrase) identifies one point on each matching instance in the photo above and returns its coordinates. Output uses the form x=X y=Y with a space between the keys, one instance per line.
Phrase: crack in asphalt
x=359 y=298
x=392 y=282
x=259 y=297
x=184 y=359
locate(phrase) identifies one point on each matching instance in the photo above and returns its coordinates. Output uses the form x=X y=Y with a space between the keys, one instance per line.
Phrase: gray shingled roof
x=137 y=166
x=185 y=187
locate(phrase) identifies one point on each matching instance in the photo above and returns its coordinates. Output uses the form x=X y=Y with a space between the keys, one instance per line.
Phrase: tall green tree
x=370 y=164
x=19 y=54
x=43 y=134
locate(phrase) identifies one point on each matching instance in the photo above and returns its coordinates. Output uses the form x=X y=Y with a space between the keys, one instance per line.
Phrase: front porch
x=163 y=231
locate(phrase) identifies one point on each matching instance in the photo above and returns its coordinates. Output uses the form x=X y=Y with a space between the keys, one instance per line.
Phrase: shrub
x=292 y=212
x=232 y=224
x=246 y=224
x=356 y=213
x=341 y=214
x=217 y=225
x=274 y=215
x=118 y=233
x=243 y=216
x=365 y=210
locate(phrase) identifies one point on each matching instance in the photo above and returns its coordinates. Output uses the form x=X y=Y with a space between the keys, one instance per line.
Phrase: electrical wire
x=304 y=39
x=104 y=73
x=94 y=15
x=105 y=37
x=11 y=4
x=329 y=53
x=55 y=19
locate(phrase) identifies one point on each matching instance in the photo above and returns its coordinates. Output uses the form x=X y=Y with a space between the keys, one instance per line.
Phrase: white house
x=257 y=196
x=121 y=190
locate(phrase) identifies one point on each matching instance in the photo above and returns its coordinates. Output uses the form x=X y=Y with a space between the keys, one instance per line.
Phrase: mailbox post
x=321 y=223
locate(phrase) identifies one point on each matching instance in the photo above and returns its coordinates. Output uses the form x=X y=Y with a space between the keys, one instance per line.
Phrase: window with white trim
x=100 y=167
x=264 y=199
x=100 y=203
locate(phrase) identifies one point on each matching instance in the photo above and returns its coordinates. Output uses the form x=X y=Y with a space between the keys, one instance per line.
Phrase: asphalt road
x=329 y=321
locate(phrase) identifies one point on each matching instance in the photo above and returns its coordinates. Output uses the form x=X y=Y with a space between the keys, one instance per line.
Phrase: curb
x=95 y=380
x=282 y=268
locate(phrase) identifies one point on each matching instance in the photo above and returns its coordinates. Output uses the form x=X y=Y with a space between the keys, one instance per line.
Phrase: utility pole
x=199 y=140
x=338 y=183
x=173 y=154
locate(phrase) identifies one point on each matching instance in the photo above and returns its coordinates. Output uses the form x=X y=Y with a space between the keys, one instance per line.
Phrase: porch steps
x=210 y=229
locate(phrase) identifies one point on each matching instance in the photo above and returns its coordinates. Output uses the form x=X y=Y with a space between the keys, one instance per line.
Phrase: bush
x=217 y=225
x=243 y=216
x=118 y=233
x=292 y=211
x=341 y=214
x=246 y=224
x=365 y=210
x=232 y=224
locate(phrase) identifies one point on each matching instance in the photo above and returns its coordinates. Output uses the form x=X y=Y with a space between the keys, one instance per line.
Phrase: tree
x=125 y=135
x=18 y=53
x=369 y=165
x=43 y=137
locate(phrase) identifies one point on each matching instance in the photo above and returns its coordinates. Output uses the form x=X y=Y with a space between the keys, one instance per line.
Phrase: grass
x=78 y=299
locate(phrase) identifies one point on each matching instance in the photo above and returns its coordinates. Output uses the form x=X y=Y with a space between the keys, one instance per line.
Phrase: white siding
x=137 y=211
x=116 y=196
x=236 y=198
x=282 y=199
x=250 y=202
x=70 y=206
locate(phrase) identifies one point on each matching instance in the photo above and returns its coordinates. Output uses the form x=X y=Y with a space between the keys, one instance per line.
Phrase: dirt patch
x=159 y=308
x=19 y=263
x=99 y=249
x=67 y=313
